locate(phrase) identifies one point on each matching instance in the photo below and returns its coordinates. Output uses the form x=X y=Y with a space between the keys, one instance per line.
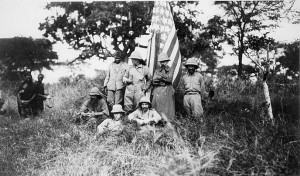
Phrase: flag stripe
x=164 y=39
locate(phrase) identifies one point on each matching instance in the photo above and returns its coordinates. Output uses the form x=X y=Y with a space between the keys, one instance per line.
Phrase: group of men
x=129 y=87
x=125 y=84
x=31 y=96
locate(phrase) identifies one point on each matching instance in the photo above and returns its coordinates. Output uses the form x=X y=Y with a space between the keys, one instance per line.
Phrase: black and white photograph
x=149 y=88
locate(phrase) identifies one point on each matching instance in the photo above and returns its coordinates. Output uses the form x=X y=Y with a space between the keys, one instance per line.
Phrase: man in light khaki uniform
x=114 y=125
x=145 y=115
x=138 y=80
x=113 y=83
x=194 y=89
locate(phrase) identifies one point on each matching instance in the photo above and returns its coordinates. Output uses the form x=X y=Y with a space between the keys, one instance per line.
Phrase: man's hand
x=140 y=122
x=127 y=81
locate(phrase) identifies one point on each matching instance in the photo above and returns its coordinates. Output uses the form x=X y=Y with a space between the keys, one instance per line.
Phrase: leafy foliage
x=94 y=27
x=85 y=25
x=290 y=59
x=20 y=54
x=245 y=17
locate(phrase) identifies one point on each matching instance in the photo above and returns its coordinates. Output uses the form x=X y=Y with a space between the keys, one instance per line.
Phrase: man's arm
x=103 y=126
x=107 y=77
x=155 y=116
x=134 y=117
x=105 y=110
x=148 y=77
x=168 y=77
x=126 y=78
x=202 y=87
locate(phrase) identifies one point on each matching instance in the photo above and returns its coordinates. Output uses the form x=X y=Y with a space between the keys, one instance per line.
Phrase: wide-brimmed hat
x=95 y=91
x=191 y=62
x=117 y=109
x=136 y=55
x=163 y=57
x=145 y=100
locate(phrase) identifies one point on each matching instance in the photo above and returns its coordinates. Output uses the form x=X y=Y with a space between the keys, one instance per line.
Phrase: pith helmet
x=117 y=109
x=163 y=57
x=145 y=100
x=136 y=55
x=95 y=91
x=192 y=62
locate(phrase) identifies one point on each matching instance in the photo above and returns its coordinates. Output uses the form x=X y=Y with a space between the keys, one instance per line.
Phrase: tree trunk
x=240 y=67
x=266 y=88
x=267 y=99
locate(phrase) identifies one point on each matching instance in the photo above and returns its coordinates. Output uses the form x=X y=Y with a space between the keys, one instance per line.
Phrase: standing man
x=138 y=80
x=113 y=83
x=163 y=93
x=38 y=102
x=194 y=89
x=25 y=97
x=94 y=110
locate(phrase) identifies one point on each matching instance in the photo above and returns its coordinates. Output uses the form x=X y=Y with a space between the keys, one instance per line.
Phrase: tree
x=89 y=27
x=20 y=54
x=291 y=58
x=262 y=44
x=197 y=40
x=244 y=18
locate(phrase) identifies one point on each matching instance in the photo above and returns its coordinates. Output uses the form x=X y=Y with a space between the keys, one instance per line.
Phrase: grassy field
x=237 y=138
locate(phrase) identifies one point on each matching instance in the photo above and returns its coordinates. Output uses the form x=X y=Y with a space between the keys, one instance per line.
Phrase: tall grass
x=236 y=138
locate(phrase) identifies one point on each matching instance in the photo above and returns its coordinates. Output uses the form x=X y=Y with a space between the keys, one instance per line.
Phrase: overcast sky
x=22 y=18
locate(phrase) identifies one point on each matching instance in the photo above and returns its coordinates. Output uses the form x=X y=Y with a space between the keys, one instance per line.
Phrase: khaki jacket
x=144 y=118
x=110 y=125
x=114 y=77
x=194 y=83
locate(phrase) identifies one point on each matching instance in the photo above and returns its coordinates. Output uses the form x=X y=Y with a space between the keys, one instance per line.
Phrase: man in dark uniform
x=40 y=97
x=94 y=110
x=25 y=97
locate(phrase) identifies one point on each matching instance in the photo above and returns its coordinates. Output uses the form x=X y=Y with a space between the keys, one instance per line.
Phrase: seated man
x=94 y=110
x=144 y=115
x=113 y=125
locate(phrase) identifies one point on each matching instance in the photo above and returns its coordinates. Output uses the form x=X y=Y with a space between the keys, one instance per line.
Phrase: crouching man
x=144 y=115
x=94 y=110
x=112 y=125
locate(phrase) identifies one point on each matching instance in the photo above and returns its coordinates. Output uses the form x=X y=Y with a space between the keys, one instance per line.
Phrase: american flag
x=164 y=39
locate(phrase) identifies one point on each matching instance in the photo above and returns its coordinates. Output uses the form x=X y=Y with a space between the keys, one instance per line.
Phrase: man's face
x=135 y=62
x=145 y=106
x=29 y=78
x=117 y=60
x=191 y=69
x=117 y=116
x=40 y=78
x=163 y=64
x=93 y=97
